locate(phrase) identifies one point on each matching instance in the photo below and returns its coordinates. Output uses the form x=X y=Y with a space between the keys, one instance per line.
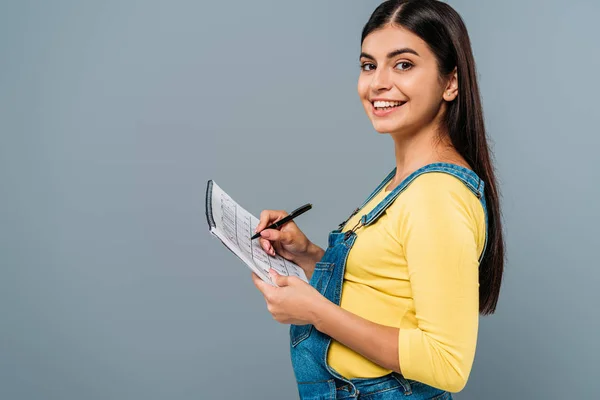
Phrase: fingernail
x=264 y=234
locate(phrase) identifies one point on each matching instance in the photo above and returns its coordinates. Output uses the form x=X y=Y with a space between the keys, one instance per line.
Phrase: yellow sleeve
x=438 y=227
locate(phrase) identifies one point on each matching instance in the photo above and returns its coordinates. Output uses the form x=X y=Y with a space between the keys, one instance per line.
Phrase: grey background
x=114 y=114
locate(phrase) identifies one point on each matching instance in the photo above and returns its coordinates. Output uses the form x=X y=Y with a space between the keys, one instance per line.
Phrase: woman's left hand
x=293 y=302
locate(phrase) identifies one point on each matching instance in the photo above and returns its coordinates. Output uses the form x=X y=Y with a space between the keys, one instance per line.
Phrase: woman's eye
x=405 y=63
x=365 y=65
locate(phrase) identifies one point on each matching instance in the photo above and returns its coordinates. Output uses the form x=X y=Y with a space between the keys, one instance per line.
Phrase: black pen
x=285 y=219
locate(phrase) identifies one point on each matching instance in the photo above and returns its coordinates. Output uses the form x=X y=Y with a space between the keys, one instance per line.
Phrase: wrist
x=319 y=312
x=309 y=258
x=314 y=253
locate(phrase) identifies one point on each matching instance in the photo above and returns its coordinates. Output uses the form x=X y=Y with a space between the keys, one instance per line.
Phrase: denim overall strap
x=309 y=347
x=373 y=193
x=467 y=176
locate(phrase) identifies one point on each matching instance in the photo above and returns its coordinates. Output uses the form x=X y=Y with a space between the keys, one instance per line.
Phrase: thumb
x=277 y=236
x=280 y=280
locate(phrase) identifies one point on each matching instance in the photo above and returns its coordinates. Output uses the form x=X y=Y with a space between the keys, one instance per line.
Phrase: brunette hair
x=444 y=31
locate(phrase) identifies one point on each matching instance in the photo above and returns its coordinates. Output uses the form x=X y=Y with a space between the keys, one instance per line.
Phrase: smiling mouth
x=386 y=105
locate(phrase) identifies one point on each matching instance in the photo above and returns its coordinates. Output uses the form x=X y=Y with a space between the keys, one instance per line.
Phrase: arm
x=307 y=262
x=439 y=237
x=357 y=333
x=294 y=301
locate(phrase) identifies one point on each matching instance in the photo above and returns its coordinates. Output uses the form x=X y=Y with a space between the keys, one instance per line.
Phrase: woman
x=392 y=308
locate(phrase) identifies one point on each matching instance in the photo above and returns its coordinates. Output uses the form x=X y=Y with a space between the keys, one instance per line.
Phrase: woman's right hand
x=288 y=241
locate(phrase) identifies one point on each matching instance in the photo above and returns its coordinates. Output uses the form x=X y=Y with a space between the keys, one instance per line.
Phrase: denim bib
x=308 y=347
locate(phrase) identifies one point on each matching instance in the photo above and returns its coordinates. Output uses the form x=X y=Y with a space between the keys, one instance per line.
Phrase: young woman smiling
x=392 y=308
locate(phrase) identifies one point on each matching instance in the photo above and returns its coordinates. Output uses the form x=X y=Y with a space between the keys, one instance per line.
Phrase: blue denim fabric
x=308 y=347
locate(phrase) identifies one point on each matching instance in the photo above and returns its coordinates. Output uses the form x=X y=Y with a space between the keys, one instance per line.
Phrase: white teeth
x=381 y=104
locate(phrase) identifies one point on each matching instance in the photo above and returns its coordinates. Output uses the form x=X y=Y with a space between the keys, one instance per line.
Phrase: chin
x=381 y=130
x=386 y=127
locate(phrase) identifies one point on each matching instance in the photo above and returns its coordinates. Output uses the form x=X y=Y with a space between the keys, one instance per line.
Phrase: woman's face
x=398 y=67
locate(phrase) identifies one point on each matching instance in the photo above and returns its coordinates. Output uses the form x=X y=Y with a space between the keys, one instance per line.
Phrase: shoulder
x=438 y=195
x=434 y=186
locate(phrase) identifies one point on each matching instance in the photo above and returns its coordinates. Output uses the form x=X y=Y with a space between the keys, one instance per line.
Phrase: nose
x=381 y=80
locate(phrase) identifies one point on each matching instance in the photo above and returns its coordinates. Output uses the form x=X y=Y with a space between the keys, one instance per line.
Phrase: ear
x=451 y=90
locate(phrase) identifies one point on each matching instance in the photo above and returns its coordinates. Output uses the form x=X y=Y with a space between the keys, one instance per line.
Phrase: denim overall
x=308 y=347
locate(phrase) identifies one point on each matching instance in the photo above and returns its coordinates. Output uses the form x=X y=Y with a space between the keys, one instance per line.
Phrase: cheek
x=363 y=94
x=422 y=96
x=411 y=86
x=363 y=88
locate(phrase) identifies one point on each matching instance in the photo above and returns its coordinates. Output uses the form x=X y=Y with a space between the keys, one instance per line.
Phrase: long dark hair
x=444 y=31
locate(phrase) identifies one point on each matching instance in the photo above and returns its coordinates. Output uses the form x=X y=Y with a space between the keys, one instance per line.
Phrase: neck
x=416 y=150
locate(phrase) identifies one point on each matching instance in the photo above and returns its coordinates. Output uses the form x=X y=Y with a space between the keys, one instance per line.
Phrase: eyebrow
x=392 y=54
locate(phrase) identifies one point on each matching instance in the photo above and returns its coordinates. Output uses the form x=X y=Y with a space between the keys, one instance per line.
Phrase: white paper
x=234 y=226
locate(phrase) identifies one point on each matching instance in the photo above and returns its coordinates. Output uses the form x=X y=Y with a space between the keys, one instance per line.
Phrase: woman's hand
x=296 y=302
x=293 y=302
x=288 y=241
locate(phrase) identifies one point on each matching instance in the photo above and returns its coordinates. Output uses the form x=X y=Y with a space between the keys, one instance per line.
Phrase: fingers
x=267 y=217
x=255 y=278
x=272 y=239
x=266 y=245
x=278 y=248
x=267 y=290
x=275 y=235
x=280 y=280
x=260 y=285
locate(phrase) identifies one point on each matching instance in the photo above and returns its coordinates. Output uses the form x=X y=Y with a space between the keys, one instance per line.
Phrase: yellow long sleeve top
x=416 y=268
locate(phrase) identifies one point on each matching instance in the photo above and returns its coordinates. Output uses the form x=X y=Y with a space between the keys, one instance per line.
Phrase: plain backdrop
x=114 y=114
